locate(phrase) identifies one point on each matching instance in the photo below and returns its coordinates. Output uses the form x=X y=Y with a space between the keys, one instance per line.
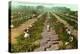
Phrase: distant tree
x=61 y=9
x=40 y=9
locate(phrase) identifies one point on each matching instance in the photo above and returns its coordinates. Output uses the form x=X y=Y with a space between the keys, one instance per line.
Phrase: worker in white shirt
x=26 y=33
x=68 y=31
x=70 y=37
x=48 y=27
x=12 y=26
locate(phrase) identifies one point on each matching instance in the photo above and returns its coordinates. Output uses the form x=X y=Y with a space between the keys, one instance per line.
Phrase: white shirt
x=48 y=27
x=26 y=35
x=69 y=32
x=66 y=43
x=71 y=39
x=12 y=26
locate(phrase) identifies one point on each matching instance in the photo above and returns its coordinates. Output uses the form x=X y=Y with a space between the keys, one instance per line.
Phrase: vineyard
x=48 y=28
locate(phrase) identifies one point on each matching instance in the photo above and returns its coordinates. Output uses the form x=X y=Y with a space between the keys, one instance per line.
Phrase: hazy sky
x=71 y=6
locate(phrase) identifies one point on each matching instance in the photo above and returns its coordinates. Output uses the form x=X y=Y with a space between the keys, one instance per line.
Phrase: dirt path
x=73 y=31
x=19 y=30
x=50 y=40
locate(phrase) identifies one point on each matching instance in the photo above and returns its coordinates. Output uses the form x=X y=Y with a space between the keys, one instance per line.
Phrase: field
x=49 y=28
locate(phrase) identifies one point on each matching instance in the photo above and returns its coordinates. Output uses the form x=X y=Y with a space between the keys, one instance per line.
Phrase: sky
x=71 y=6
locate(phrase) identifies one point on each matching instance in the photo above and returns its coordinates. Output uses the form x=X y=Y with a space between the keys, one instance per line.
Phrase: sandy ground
x=20 y=29
x=49 y=39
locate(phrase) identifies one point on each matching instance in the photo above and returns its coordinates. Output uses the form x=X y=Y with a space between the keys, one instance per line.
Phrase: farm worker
x=12 y=16
x=66 y=43
x=19 y=13
x=71 y=38
x=48 y=27
x=26 y=33
x=29 y=17
x=33 y=15
x=47 y=49
x=68 y=31
x=12 y=26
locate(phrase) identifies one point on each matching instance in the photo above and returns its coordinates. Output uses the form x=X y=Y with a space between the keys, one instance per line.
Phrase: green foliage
x=61 y=9
x=74 y=13
x=31 y=43
x=74 y=43
x=18 y=14
x=72 y=23
x=62 y=34
x=18 y=22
